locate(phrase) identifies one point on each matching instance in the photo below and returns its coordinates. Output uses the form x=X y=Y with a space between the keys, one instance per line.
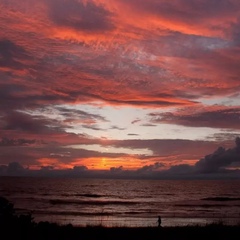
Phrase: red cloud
x=144 y=54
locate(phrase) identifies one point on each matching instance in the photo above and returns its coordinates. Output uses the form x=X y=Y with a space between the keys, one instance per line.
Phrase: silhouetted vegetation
x=21 y=226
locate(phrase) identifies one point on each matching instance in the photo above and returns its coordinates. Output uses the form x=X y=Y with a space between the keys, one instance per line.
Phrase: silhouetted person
x=159 y=221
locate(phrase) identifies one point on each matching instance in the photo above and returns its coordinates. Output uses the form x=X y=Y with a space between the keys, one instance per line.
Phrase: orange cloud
x=106 y=163
x=202 y=18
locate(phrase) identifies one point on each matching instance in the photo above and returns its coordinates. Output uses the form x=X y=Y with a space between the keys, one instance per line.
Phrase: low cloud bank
x=223 y=163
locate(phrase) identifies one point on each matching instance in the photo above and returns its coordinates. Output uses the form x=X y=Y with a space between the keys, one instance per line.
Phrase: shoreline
x=46 y=230
x=131 y=222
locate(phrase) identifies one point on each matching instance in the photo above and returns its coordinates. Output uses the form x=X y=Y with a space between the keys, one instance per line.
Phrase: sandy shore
x=45 y=230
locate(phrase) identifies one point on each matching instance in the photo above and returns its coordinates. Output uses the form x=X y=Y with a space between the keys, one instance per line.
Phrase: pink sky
x=118 y=84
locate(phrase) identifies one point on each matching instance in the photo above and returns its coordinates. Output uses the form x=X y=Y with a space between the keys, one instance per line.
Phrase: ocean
x=130 y=203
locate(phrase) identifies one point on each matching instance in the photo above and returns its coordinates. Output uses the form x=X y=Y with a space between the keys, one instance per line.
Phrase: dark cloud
x=93 y=127
x=80 y=16
x=181 y=169
x=136 y=121
x=153 y=102
x=150 y=168
x=8 y=92
x=79 y=153
x=117 y=128
x=149 y=125
x=12 y=169
x=46 y=168
x=22 y=125
x=116 y=169
x=27 y=123
x=80 y=168
x=34 y=155
x=227 y=136
x=217 y=162
x=167 y=147
x=24 y=155
x=17 y=142
x=3 y=170
x=16 y=169
x=12 y=55
x=79 y=114
x=214 y=118
x=221 y=158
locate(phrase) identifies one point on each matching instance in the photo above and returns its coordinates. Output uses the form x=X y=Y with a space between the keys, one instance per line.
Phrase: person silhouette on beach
x=159 y=221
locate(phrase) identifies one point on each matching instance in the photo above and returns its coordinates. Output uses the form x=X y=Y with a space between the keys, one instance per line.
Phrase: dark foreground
x=47 y=231
x=14 y=226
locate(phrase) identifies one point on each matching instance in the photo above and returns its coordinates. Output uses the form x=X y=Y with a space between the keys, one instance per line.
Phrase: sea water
x=130 y=203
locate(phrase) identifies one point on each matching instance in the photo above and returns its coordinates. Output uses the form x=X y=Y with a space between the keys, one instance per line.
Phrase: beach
x=45 y=230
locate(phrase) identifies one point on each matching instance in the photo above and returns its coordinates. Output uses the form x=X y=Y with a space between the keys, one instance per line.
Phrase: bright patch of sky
x=134 y=123
x=124 y=123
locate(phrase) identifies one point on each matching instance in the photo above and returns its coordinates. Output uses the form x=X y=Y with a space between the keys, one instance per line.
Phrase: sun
x=103 y=162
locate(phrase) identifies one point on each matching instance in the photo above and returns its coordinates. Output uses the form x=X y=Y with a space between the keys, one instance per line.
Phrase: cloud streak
x=212 y=117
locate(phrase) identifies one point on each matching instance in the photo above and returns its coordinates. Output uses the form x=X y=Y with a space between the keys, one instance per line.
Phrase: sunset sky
x=120 y=85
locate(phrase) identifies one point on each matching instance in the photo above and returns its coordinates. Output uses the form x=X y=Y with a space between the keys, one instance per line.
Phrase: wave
x=200 y=205
x=81 y=202
x=220 y=199
x=74 y=213
x=133 y=214
x=88 y=195
x=94 y=195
